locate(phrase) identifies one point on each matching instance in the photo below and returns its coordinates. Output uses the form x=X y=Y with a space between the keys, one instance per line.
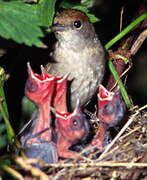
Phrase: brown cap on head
x=70 y=15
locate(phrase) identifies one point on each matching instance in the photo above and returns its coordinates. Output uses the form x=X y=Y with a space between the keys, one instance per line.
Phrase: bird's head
x=70 y=24
x=73 y=126
x=111 y=106
x=39 y=87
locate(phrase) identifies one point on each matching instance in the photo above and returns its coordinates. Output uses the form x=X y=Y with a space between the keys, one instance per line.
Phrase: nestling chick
x=37 y=142
x=71 y=127
x=79 y=53
x=111 y=111
x=39 y=89
x=60 y=94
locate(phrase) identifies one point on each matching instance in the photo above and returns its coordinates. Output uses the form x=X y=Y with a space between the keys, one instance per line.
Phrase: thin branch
x=135 y=47
x=99 y=164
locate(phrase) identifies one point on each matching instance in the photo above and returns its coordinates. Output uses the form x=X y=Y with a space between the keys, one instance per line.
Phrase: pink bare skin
x=110 y=113
x=39 y=89
x=99 y=139
x=60 y=93
x=72 y=127
x=37 y=141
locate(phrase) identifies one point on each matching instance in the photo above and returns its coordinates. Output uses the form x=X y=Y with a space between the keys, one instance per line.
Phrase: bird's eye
x=31 y=86
x=75 y=122
x=77 y=24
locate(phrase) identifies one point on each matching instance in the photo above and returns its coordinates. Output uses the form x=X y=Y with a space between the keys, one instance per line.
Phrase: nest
x=124 y=158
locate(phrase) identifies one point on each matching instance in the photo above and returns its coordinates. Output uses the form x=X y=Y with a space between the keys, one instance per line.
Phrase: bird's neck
x=43 y=117
x=76 y=42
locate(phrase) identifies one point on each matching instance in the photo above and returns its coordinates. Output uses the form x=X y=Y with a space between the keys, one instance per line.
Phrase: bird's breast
x=77 y=61
x=85 y=66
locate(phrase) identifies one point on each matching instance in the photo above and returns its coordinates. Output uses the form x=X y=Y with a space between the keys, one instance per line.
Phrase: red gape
x=110 y=112
x=72 y=127
x=60 y=93
x=39 y=89
x=37 y=142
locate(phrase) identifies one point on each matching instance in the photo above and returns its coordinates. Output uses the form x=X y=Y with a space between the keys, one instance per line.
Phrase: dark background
x=14 y=61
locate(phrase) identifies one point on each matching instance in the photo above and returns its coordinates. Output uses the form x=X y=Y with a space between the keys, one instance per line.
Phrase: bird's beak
x=57 y=27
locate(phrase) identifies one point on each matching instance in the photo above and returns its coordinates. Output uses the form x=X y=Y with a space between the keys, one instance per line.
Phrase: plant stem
x=110 y=64
x=2 y=94
x=122 y=88
x=125 y=31
x=4 y=111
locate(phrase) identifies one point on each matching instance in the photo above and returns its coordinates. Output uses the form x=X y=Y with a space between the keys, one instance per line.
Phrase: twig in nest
x=100 y=164
x=141 y=38
x=121 y=132
x=12 y=171
x=135 y=175
x=26 y=165
x=130 y=66
x=92 y=116
x=121 y=18
x=131 y=132
x=27 y=124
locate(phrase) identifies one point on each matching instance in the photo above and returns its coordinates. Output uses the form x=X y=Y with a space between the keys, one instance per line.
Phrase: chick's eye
x=31 y=86
x=77 y=24
x=75 y=122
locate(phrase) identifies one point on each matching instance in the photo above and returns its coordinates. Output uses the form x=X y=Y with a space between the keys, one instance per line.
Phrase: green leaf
x=19 y=21
x=46 y=11
x=92 y=18
x=87 y=3
x=67 y=5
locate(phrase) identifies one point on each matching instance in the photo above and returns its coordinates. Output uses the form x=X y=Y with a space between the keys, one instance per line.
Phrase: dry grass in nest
x=124 y=158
